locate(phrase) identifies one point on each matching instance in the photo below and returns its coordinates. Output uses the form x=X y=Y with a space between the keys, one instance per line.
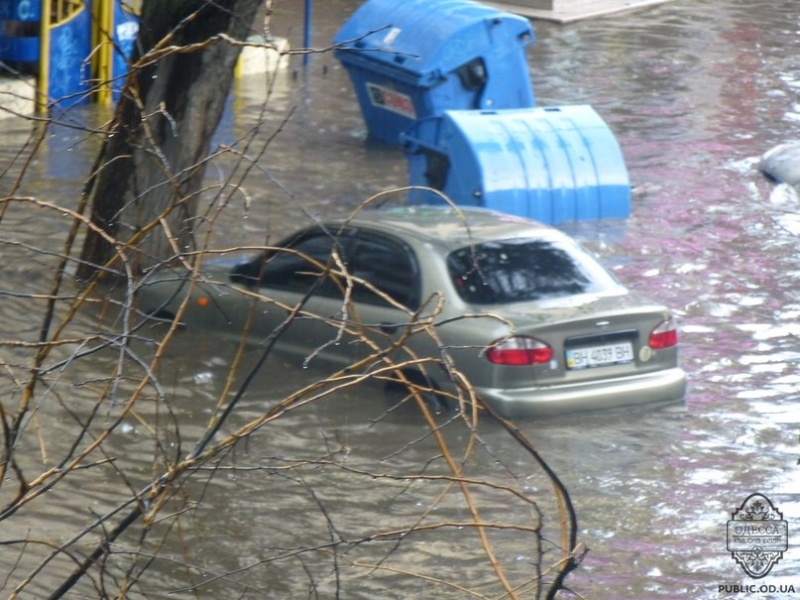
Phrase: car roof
x=453 y=227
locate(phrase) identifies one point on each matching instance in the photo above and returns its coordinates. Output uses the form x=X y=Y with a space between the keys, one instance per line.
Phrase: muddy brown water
x=695 y=92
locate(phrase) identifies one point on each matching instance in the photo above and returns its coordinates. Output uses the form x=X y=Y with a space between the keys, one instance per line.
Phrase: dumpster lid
x=411 y=35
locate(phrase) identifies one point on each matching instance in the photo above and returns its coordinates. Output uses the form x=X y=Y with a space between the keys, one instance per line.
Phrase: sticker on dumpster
x=392 y=100
x=391 y=36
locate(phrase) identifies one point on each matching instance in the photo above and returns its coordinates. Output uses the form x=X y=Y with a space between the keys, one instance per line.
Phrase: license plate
x=599 y=356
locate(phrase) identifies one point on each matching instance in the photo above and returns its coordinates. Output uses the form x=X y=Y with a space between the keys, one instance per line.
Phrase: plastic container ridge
x=552 y=164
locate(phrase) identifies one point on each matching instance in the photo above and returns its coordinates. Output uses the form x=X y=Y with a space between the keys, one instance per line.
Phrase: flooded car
x=532 y=319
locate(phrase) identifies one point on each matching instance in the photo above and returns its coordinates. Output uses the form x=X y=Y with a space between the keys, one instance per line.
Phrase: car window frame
x=349 y=240
x=254 y=273
x=412 y=298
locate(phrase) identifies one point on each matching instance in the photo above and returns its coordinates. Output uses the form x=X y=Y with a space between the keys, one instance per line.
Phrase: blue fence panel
x=70 y=47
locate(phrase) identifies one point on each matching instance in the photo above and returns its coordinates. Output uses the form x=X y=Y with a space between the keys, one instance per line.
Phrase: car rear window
x=518 y=270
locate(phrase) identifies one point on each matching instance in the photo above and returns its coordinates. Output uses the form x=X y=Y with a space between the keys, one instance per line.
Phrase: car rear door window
x=389 y=266
x=517 y=270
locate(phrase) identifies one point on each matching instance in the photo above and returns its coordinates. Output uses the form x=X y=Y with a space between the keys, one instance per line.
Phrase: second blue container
x=552 y=164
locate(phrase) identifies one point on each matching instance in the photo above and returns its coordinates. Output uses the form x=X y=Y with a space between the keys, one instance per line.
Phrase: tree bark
x=152 y=161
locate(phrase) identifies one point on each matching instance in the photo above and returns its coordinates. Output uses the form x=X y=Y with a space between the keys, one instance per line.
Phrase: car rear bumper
x=662 y=386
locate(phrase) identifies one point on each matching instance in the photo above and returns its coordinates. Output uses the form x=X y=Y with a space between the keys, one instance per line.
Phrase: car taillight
x=519 y=351
x=665 y=335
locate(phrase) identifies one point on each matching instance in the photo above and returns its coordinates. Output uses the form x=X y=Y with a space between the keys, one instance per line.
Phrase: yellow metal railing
x=63 y=10
x=56 y=13
x=104 y=48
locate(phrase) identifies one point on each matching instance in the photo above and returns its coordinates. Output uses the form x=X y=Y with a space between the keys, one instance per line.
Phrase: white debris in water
x=691 y=268
x=791 y=116
x=697 y=329
x=784 y=195
x=759 y=394
x=750 y=301
x=743 y=166
x=767 y=332
x=787 y=380
x=721 y=309
x=203 y=377
x=704 y=476
x=789 y=222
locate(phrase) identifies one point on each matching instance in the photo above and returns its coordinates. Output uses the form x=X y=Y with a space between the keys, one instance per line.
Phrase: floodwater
x=695 y=91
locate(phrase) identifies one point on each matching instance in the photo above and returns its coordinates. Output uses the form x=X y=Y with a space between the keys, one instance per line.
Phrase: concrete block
x=17 y=96
x=266 y=57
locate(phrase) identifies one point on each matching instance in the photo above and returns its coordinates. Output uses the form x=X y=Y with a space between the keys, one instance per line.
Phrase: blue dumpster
x=412 y=59
x=552 y=164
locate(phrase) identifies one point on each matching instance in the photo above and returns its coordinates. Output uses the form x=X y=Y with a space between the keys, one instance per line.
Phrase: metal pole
x=103 y=25
x=307 y=30
x=43 y=89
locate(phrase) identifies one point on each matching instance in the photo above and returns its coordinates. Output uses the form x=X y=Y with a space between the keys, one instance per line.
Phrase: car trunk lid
x=592 y=338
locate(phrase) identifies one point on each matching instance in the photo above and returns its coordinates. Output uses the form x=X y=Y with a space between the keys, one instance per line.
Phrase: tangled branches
x=124 y=476
x=140 y=460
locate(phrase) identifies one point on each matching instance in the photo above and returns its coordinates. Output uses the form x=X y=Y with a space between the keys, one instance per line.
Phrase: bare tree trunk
x=152 y=161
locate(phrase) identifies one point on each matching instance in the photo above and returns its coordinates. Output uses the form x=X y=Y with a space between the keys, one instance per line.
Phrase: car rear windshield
x=519 y=270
